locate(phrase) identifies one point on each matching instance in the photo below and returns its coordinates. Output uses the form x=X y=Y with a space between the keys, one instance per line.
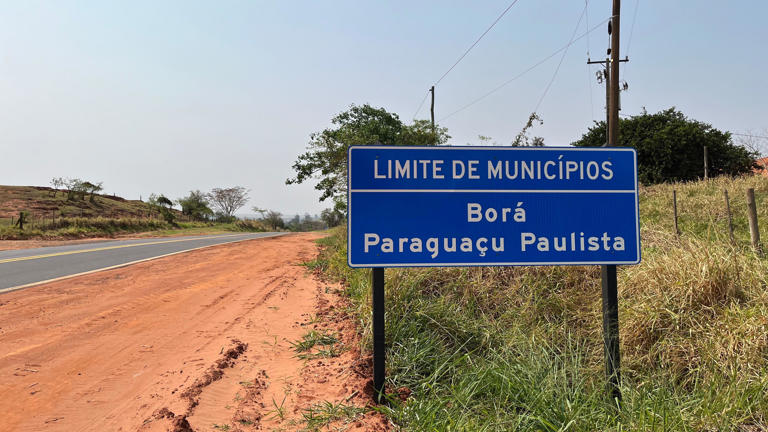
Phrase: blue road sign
x=481 y=206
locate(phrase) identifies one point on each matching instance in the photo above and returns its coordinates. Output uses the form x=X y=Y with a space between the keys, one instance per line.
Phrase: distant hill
x=40 y=202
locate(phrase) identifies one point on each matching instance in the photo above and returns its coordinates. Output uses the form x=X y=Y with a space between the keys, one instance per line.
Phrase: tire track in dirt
x=191 y=342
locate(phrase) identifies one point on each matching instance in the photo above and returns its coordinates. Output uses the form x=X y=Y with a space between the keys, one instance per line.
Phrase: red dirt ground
x=199 y=341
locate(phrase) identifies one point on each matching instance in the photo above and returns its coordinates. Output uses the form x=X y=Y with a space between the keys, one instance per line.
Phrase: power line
x=586 y=6
x=476 y=42
x=465 y=54
x=750 y=136
x=421 y=104
x=539 y=63
x=631 y=32
x=632 y=27
x=589 y=71
x=557 y=69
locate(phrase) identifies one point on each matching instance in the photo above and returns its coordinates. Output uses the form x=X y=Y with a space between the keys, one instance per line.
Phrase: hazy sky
x=168 y=96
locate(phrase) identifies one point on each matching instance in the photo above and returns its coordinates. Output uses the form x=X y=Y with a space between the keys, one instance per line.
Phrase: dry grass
x=528 y=340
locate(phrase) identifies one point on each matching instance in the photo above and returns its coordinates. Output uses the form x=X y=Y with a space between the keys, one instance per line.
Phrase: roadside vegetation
x=31 y=212
x=72 y=228
x=670 y=147
x=520 y=348
x=73 y=209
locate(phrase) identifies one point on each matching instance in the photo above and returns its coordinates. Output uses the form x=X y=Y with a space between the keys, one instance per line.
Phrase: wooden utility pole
x=608 y=272
x=432 y=113
x=613 y=124
x=607 y=76
x=608 y=89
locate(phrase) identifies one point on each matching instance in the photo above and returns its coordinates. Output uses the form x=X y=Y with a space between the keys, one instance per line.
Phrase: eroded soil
x=201 y=341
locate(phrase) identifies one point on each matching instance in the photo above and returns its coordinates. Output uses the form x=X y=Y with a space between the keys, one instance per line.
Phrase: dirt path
x=198 y=341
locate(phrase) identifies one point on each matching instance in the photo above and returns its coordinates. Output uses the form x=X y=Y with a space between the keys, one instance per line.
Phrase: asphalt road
x=26 y=267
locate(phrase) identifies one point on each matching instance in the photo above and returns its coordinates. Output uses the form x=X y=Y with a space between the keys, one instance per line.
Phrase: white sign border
x=490 y=264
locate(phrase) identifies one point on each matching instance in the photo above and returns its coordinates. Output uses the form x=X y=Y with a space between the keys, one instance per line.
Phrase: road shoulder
x=205 y=340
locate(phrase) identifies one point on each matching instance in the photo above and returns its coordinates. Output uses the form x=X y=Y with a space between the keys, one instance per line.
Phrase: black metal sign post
x=611 y=329
x=377 y=287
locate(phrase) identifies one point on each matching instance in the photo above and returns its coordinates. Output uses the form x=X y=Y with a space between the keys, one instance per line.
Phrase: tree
x=523 y=140
x=274 y=219
x=326 y=155
x=164 y=205
x=332 y=217
x=90 y=188
x=164 y=202
x=75 y=186
x=260 y=211
x=160 y=204
x=295 y=223
x=57 y=183
x=670 y=147
x=305 y=223
x=23 y=216
x=228 y=200
x=195 y=205
x=152 y=203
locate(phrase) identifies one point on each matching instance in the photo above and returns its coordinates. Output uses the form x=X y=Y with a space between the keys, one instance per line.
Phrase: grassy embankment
x=72 y=228
x=520 y=348
x=53 y=216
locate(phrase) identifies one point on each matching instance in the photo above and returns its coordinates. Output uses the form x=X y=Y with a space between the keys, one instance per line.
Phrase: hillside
x=40 y=202
x=56 y=217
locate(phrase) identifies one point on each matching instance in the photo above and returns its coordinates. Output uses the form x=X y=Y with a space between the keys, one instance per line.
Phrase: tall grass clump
x=520 y=348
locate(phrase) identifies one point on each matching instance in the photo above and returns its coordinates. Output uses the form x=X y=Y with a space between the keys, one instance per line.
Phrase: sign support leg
x=611 y=330
x=377 y=284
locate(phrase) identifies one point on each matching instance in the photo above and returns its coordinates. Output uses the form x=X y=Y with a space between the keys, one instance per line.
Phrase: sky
x=172 y=96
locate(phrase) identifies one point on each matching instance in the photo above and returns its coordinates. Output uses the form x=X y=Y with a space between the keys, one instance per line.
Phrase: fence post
x=730 y=217
x=752 y=214
x=674 y=208
x=706 y=164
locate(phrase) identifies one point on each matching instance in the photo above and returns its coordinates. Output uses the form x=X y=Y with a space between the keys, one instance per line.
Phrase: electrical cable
x=557 y=69
x=476 y=42
x=631 y=32
x=466 y=52
x=750 y=136
x=632 y=27
x=421 y=105
x=534 y=66
x=589 y=70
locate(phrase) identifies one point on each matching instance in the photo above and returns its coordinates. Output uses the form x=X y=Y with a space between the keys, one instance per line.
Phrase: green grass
x=520 y=348
x=317 y=344
x=323 y=414
x=279 y=411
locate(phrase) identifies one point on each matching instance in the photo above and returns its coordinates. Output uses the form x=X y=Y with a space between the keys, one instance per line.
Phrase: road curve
x=23 y=268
